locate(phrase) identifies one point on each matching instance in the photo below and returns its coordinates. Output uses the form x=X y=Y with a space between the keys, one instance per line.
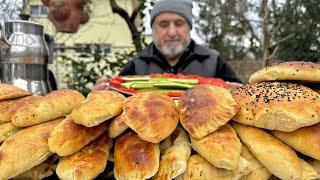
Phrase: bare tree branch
x=136 y=11
x=282 y=40
x=274 y=53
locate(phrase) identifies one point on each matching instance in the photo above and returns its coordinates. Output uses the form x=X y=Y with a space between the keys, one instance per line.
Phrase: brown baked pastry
x=277 y=106
x=154 y=116
x=8 y=91
x=258 y=170
x=68 y=137
x=221 y=148
x=200 y=169
x=98 y=107
x=135 y=158
x=117 y=126
x=87 y=163
x=205 y=108
x=278 y=158
x=175 y=159
x=316 y=165
x=305 y=140
x=25 y=149
x=54 y=105
x=6 y=130
x=40 y=171
x=308 y=172
x=295 y=70
x=9 y=107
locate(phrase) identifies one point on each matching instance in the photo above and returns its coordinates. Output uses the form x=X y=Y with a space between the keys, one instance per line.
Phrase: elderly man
x=173 y=50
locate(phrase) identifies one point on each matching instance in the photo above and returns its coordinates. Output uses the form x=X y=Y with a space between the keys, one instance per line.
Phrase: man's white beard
x=171 y=52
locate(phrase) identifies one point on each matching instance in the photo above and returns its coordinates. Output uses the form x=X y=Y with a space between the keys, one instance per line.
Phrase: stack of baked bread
x=266 y=129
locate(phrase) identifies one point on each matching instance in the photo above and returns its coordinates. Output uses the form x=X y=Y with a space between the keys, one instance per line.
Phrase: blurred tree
x=261 y=30
x=302 y=19
x=226 y=27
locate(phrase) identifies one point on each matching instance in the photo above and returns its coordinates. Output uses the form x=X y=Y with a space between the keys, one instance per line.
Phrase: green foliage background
x=84 y=70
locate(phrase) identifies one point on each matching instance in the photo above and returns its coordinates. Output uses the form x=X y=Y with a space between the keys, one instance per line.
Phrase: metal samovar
x=24 y=56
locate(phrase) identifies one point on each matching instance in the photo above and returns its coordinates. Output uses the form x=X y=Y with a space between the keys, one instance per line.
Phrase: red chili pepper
x=174 y=94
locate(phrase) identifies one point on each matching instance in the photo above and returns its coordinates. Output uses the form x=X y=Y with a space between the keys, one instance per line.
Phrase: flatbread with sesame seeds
x=277 y=106
x=294 y=70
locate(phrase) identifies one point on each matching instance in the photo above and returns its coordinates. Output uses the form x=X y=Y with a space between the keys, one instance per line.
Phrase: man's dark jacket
x=196 y=59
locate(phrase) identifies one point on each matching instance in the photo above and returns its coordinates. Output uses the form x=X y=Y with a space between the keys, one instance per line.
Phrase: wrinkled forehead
x=168 y=16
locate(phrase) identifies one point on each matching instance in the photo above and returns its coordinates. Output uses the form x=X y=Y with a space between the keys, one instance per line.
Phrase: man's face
x=171 y=34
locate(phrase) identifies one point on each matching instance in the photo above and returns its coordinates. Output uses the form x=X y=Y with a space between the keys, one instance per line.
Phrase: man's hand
x=102 y=83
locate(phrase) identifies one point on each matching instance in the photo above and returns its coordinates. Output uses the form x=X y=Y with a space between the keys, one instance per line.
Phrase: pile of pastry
x=269 y=128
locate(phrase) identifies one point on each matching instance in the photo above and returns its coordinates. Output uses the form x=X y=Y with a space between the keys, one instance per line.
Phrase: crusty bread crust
x=221 y=148
x=117 y=126
x=54 y=105
x=9 y=107
x=25 y=149
x=278 y=158
x=153 y=116
x=305 y=140
x=175 y=158
x=68 y=137
x=277 y=106
x=205 y=108
x=135 y=158
x=98 y=107
x=6 y=130
x=88 y=163
x=294 y=70
x=8 y=91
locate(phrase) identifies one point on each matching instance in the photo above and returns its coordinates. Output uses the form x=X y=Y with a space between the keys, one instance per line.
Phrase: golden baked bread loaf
x=9 y=107
x=295 y=70
x=221 y=148
x=308 y=172
x=175 y=159
x=277 y=106
x=98 y=107
x=200 y=169
x=8 y=91
x=25 y=149
x=88 y=163
x=6 y=130
x=305 y=140
x=153 y=116
x=40 y=171
x=205 y=108
x=258 y=170
x=68 y=137
x=117 y=126
x=316 y=165
x=135 y=158
x=278 y=158
x=54 y=105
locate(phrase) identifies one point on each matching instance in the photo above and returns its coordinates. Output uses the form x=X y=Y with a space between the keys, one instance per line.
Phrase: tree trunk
x=135 y=34
x=266 y=32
